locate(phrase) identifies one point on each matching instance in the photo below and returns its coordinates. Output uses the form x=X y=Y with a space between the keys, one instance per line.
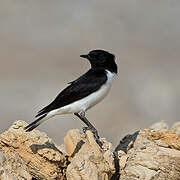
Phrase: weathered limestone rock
x=159 y=126
x=176 y=128
x=88 y=160
x=149 y=154
x=152 y=155
x=31 y=154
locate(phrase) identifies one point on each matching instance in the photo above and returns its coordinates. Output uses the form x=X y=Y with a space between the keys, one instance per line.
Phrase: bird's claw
x=85 y=129
x=95 y=132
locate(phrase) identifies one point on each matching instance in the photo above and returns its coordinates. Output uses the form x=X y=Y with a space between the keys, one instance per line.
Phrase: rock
x=159 y=126
x=147 y=159
x=88 y=160
x=176 y=128
x=31 y=153
x=148 y=154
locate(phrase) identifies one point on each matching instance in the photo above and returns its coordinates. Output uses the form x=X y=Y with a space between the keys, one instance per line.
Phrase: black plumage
x=101 y=61
x=90 y=82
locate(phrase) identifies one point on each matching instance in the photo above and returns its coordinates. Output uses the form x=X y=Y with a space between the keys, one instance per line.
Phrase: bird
x=84 y=92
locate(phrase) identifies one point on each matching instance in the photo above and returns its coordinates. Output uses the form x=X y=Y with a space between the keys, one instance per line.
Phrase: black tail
x=34 y=124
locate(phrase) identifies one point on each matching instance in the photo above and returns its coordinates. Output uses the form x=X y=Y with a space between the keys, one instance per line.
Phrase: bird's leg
x=81 y=115
x=90 y=127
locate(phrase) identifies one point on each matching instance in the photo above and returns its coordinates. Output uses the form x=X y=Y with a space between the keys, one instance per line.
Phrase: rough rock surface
x=151 y=154
x=147 y=154
x=88 y=160
x=28 y=154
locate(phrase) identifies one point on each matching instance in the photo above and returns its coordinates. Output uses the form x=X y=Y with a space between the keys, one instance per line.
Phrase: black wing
x=88 y=83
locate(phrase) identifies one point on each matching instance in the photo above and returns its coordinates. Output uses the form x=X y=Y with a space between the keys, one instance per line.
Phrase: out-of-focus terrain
x=40 y=44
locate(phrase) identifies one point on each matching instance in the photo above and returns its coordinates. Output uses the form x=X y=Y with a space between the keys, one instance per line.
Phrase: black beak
x=84 y=56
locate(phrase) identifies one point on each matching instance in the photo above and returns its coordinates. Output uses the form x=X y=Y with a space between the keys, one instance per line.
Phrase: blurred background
x=40 y=44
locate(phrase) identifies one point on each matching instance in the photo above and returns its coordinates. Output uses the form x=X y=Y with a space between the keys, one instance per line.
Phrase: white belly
x=87 y=102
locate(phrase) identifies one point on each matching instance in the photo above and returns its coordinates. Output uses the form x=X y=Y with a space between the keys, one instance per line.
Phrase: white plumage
x=85 y=103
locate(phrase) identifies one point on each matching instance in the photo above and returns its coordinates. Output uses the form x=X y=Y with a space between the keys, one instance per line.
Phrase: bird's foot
x=95 y=132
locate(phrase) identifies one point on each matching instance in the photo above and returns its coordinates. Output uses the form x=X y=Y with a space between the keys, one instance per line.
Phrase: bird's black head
x=101 y=58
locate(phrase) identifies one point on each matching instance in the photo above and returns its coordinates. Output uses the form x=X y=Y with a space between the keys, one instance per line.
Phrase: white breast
x=89 y=101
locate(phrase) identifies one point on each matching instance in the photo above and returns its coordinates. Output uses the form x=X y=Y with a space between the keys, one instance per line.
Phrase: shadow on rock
x=127 y=142
x=36 y=147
